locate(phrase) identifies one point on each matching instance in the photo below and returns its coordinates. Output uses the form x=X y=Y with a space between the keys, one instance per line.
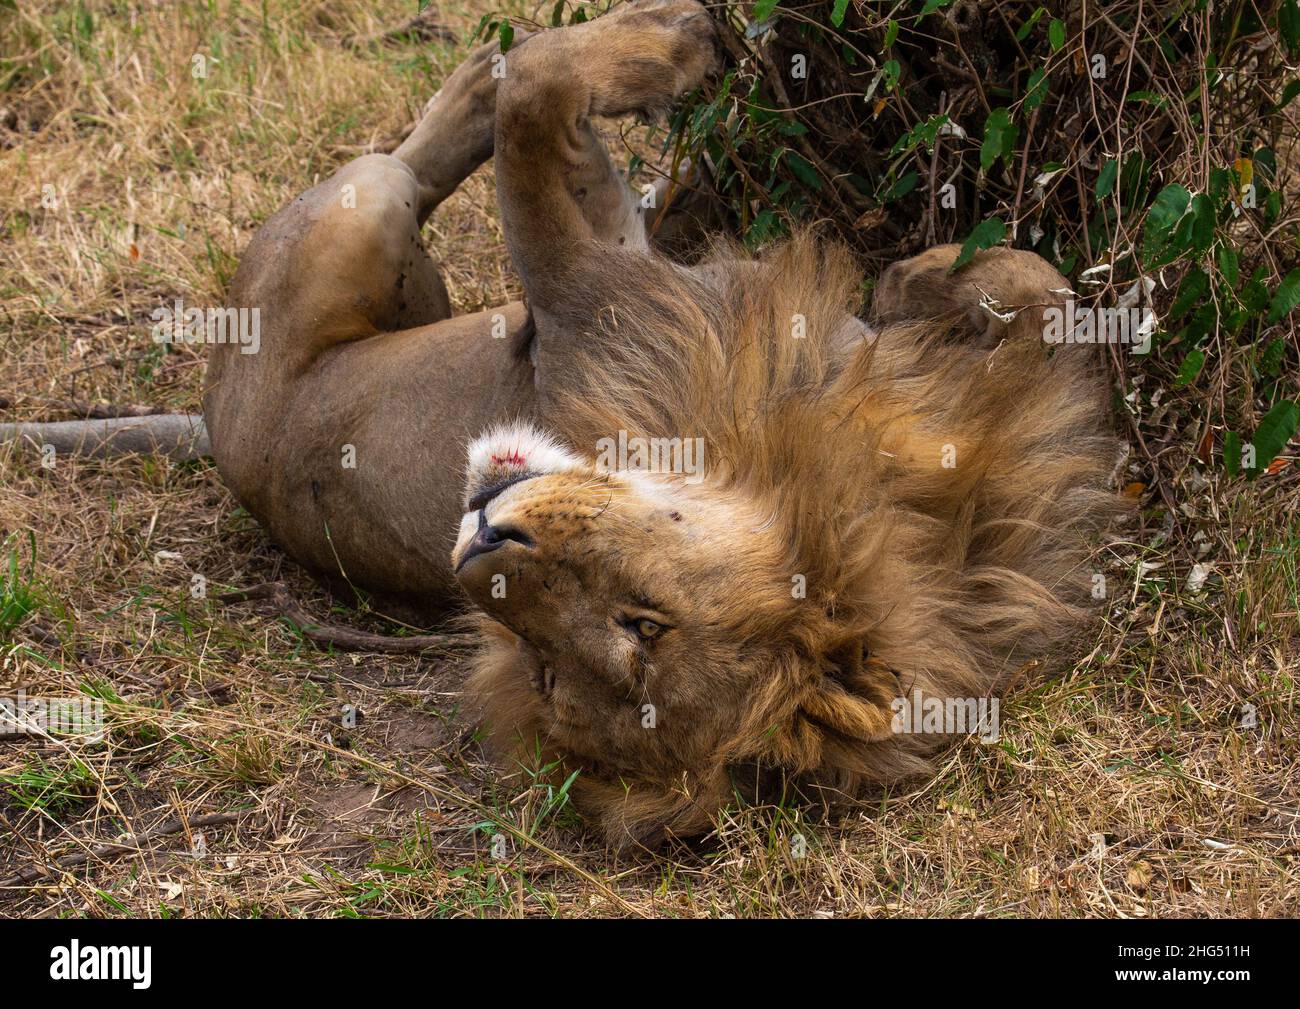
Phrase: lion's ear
x=848 y=703
x=854 y=695
x=848 y=714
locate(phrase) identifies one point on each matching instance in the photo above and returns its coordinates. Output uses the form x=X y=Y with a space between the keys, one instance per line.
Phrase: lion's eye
x=643 y=627
x=647 y=629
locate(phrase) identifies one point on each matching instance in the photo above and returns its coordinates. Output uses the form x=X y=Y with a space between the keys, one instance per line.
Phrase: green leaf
x=764 y=226
x=1037 y=89
x=803 y=170
x=999 y=137
x=933 y=5
x=1229 y=266
x=985 y=235
x=1275 y=430
x=1149 y=97
x=1232 y=452
x=763 y=9
x=1028 y=26
x=1167 y=210
x=1286 y=298
x=1288 y=20
x=557 y=15
x=1272 y=207
x=901 y=188
x=891 y=71
x=113 y=900
x=891 y=33
x=1270 y=362
x=506 y=33
x=1106 y=178
x=1202 y=223
x=1254 y=295
x=1056 y=34
x=923 y=133
x=1159 y=246
x=1190 y=292
x=1192 y=365
x=838 y=11
x=1265 y=162
x=1288 y=93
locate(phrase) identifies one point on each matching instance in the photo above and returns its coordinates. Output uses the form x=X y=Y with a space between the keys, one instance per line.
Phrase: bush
x=1128 y=143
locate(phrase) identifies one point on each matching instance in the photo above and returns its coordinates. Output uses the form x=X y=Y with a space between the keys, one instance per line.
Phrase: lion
x=846 y=509
x=891 y=515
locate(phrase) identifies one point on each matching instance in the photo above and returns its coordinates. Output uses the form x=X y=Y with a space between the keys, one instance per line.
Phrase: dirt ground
x=245 y=772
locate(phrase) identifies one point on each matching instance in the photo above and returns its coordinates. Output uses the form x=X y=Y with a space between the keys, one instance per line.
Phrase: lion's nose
x=489 y=537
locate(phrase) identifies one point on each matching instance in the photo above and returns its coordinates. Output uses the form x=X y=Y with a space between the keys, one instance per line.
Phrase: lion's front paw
x=645 y=55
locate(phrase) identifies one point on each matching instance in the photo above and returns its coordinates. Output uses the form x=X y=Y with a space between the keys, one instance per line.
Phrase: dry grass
x=159 y=180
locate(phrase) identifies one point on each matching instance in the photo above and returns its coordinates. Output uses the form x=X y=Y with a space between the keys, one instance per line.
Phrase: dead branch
x=181 y=436
x=344 y=638
x=134 y=844
x=420 y=28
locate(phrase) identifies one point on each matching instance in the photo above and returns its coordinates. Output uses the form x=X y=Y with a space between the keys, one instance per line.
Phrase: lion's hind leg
x=345 y=260
x=341 y=262
x=456 y=134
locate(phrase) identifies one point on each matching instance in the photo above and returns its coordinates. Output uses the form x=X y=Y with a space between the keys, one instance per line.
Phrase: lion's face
x=641 y=602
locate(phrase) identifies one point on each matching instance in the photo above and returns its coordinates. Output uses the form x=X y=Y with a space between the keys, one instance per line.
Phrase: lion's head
x=651 y=612
x=661 y=630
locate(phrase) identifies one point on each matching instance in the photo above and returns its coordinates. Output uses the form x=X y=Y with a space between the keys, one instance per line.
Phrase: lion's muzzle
x=486 y=539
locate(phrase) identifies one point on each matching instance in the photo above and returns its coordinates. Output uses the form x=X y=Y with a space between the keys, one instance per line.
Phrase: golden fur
x=948 y=579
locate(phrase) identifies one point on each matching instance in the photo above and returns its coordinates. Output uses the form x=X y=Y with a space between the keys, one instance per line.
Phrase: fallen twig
x=420 y=28
x=385 y=145
x=133 y=844
x=345 y=638
x=178 y=435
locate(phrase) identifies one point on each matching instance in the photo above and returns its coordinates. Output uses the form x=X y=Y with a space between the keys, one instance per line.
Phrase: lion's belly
x=365 y=464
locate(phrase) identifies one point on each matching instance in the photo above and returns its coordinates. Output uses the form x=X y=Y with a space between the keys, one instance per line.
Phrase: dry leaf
x=872 y=218
x=1139 y=876
x=957 y=809
x=1205 y=451
x=1245 y=172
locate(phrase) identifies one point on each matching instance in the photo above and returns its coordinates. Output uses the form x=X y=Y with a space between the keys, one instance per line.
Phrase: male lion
x=882 y=510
